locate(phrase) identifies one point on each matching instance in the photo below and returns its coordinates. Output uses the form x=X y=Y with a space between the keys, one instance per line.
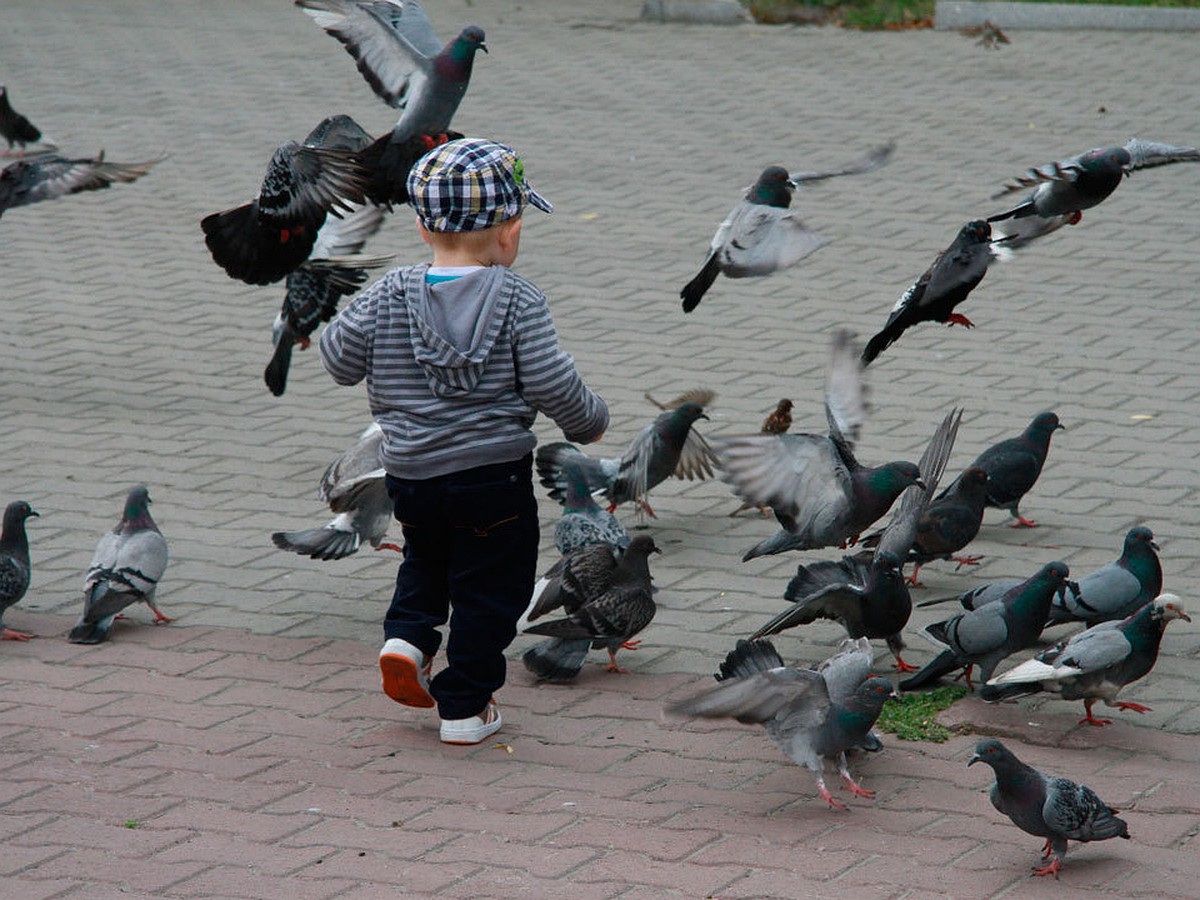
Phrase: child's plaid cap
x=470 y=184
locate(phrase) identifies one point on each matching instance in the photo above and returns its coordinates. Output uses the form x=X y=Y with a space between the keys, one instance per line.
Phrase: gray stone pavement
x=247 y=746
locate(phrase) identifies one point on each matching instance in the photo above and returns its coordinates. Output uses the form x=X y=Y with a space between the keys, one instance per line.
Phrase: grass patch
x=914 y=716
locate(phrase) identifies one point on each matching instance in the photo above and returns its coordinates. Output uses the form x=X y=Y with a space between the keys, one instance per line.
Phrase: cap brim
x=537 y=199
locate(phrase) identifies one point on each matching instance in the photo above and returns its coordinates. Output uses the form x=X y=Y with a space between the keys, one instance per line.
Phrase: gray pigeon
x=1056 y=809
x=667 y=446
x=128 y=564
x=353 y=486
x=809 y=715
x=608 y=598
x=49 y=177
x=761 y=235
x=821 y=495
x=19 y=131
x=984 y=637
x=583 y=522
x=1062 y=190
x=14 y=564
x=1094 y=664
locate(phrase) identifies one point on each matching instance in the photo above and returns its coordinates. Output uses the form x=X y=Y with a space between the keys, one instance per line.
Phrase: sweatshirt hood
x=455 y=325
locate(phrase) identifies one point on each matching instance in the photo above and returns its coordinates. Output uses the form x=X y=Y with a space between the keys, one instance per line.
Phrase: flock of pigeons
x=322 y=199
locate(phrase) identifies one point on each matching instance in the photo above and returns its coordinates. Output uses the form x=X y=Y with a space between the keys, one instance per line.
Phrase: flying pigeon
x=583 y=522
x=1094 y=664
x=353 y=486
x=608 y=598
x=944 y=285
x=984 y=637
x=761 y=235
x=49 y=177
x=819 y=492
x=1013 y=466
x=18 y=130
x=798 y=708
x=869 y=597
x=1062 y=190
x=14 y=564
x=128 y=564
x=262 y=241
x=667 y=446
x=335 y=269
x=409 y=69
x=950 y=523
x=1056 y=809
x=778 y=421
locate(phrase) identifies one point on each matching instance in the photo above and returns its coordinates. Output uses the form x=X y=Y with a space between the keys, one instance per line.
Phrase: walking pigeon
x=778 y=421
x=761 y=235
x=128 y=563
x=14 y=564
x=950 y=523
x=397 y=52
x=797 y=707
x=353 y=486
x=1062 y=190
x=49 y=177
x=984 y=637
x=583 y=522
x=821 y=495
x=335 y=269
x=262 y=241
x=944 y=285
x=1056 y=809
x=608 y=598
x=1094 y=664
x=870 y=598
x=1013 y=466
x=18 y=130
x=667 y=446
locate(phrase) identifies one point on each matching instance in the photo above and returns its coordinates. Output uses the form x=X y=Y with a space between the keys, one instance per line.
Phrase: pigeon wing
x=873 y=160
x=901 y=530
x=845 y=389
x=800 y=476
x=360 y=461
x=1146 y=154
x=50 y=177
x=346 y=236
x=800 y=695
x=1075 y=812
x=760 y=240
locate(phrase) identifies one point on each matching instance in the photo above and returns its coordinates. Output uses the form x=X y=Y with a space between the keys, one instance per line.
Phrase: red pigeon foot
x=1136 y=707
x=8 y=634
x=965 y=561
x=390 y=546
x=855 y=788
x=959 y=319
x=1023 y=522
x=1052 y=869
x=901 y=666
x=632 y=645
x=829 y=798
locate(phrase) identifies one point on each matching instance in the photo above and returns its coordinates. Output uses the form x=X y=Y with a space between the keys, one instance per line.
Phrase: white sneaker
x=474 y=729
x=405 y=672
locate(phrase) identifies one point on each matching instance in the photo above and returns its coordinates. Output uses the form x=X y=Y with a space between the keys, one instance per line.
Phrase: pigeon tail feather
x=693 y=292
x=319 y=543
x=557 y=660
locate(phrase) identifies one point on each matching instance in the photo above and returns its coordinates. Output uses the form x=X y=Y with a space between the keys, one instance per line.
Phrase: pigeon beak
x=1060 y=427
x=1184 y=616
x=483 y=47
x=975 y=757
x=34 y=512
x=1153 y=544
x=921 y=484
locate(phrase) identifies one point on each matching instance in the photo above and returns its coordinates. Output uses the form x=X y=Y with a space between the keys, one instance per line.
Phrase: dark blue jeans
x=470 y=557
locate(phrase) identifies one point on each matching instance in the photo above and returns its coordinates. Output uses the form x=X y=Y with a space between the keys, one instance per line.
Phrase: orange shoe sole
x=401 y=681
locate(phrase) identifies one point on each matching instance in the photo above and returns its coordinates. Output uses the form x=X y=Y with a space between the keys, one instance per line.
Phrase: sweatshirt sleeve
x=549 y=380
x=349 y=340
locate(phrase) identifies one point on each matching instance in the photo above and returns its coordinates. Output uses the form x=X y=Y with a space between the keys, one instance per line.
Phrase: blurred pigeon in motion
x=819 y=492
x=870 y=598
x=667 y=446
x=19 y=131
x=761 y=235
x=49 y=177
x=932 y=298
x=778 y=421
x=335 y=269
x=128 y=564
x=984 y=637
x=14 y=564
x=798 y=708
x=1062 y=190
x=1056 y=809
x=404 y=62
x=1094 y=664
x=1013 y=466
x=950 y=523
x=353 y=486
x=608 y=598
x=583 y=522
x=262 y=241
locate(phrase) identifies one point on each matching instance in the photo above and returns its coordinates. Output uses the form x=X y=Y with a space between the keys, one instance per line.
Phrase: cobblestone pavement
x=245 y=751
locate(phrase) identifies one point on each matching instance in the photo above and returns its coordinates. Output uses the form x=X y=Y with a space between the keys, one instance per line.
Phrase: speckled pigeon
x=796 y=707
x=14 y=564
x=667 y=446
x=1094 y=664
x=608 y=598
x=984 y=637
x=265 y=239
x=1062 y=190
x=19 y=131
x=583 y=522
x=126 y=568
x=406 y=65
x=821 y=495
x=50 y=177
x=354 y=488
x=1056 y=809
x=944 y=285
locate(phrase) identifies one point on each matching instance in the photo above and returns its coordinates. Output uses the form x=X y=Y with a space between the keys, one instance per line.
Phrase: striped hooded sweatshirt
x=457 y=370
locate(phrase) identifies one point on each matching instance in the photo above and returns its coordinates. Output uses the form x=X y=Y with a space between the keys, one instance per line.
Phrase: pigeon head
x=887 y=561
x=677 y=421
x=1055 y=572
x=1138 y=540
x=773 y=188
x=468 y=41
x=875 y=691
x=991 y=752
x=976 y=232
x=137 y=511
x=1168 y=607
x=1042 y=427
x=17 y=511
x=1106 y=159
x=642 y=545
x=578 y=493
x=895 y=477
x=973 y=478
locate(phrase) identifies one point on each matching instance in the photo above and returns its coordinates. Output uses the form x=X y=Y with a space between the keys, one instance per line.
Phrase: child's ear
x=510 y=231
x=424 y=231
